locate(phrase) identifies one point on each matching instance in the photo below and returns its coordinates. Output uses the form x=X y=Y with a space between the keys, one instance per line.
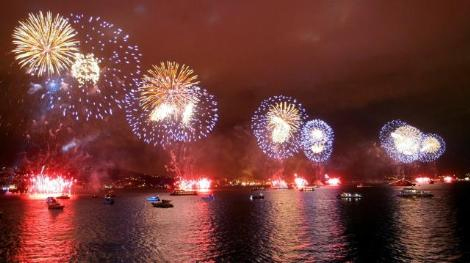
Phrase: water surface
x=286 y=226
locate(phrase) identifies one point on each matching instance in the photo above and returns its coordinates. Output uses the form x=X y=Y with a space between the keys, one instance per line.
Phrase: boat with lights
x=350 y=196
x=163 y=204
x=410 y=192
x=183 y=192
x=256 y=196
x=154 y=198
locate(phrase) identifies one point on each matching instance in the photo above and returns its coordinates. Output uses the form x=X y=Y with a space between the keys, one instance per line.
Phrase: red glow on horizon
x=423 y=180
x=448 y=179
x=333 y=181
x=300 y=182
x=43 y=185
x=279 y=183
x=201 y=185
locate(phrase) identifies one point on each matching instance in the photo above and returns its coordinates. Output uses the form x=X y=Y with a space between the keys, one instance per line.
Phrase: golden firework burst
x=45 y=44
x=166 y=90
x=284 y=120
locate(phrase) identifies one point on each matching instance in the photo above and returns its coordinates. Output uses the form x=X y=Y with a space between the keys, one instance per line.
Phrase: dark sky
x=355 y=64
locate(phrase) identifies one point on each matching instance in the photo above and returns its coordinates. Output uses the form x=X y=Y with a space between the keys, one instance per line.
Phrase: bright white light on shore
x=448 y=179
x=333 y=181
x=300 y=182
x=423 y=180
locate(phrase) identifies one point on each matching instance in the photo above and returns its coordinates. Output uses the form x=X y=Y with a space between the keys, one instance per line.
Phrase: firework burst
x=432 y=147
x=45 y=44
x=276 y=125
x=401 y=141
x=317 y=140
x=167 y=90
x=196 y=121
x=106 y=67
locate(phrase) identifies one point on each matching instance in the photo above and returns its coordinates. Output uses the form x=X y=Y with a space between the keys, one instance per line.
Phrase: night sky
x=355 y=64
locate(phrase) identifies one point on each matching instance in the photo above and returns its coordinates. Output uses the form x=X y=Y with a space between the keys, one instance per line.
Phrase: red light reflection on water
x=46 y=235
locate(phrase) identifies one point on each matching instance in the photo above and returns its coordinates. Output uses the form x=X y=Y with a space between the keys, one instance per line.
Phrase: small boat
x=53 y=204
x=308 y=188
x=208 y=198
x=154 y=198
x=56 y=206
x=183 y=192
x=108 y=200
x=410 y=192
x=63 y=197
x=163 y=204
x=50 y=200
x=256 y=196
x=350 y=196
x=361 y=185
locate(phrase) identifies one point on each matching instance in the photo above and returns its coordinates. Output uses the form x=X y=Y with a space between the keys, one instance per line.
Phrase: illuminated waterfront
x=288 y=225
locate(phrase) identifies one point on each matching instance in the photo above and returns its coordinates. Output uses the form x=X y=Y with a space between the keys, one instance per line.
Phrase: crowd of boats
x=257 y=194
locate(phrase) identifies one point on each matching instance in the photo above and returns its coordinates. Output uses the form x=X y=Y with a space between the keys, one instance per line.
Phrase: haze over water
x=286 y=226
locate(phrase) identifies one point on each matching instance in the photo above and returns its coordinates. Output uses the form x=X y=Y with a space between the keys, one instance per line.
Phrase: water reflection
x=286 y=226
x=45 y=235
x=307 y=226
x=427 y=228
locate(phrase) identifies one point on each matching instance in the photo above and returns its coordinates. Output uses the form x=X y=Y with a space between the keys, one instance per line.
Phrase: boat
x=154 y=198
x=183 y=192
x=50 y=200
x=56 y=206
x=410 y=192
x=108 y=200
x=308 y=188
x=163 y=204
x=350 y=196
x=209 y=197
x=53 y=204
x=256 y=196
x=63 y=197
x=401 y=182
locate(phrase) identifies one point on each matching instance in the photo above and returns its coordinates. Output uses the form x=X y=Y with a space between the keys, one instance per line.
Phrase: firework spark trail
x=276 y=125
x=45 y=45
x=100 y=75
